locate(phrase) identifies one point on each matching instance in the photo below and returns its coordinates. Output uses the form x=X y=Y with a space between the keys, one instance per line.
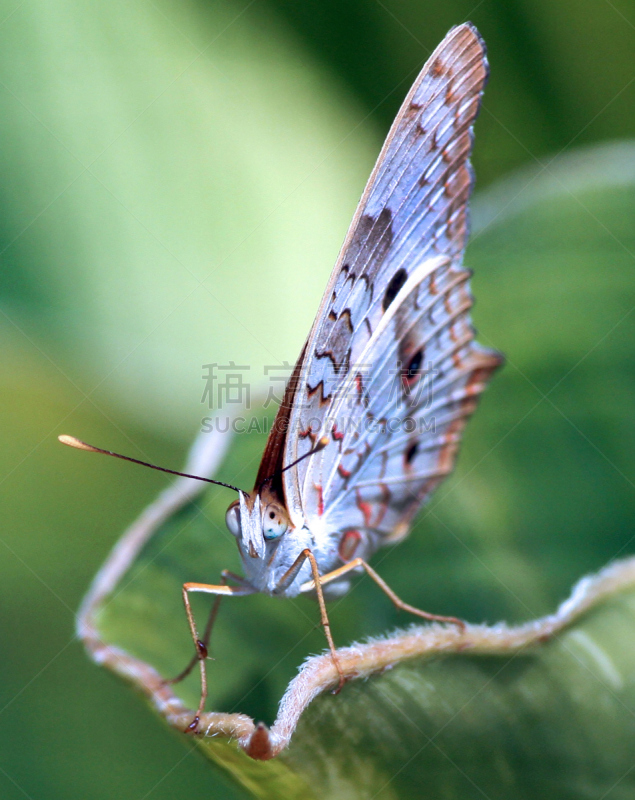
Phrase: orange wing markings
x=361 y=395
x=337 y=435
x=373 y=509
x=365 y=508
x=320 y=494
x=348 y=544
x=308 y=433
x=345 y=473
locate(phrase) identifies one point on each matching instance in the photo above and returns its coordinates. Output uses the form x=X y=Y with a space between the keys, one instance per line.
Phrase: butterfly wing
x=413 y=211
x=396 y=427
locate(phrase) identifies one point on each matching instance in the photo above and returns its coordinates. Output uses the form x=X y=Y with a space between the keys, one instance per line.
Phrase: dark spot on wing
x=394 y=287
x=411 y=452
x=415 y=362
x=412 y=372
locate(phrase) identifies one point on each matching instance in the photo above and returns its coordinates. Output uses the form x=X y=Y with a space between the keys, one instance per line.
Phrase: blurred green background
x=176 y=180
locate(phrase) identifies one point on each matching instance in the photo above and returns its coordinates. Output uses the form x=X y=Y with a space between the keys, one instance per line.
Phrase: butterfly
x=372 y=415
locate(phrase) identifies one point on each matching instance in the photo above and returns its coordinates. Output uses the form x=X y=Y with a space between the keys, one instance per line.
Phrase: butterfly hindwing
x=397 y=427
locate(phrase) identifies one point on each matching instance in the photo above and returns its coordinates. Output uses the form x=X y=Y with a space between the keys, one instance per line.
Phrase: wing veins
x=445 y=118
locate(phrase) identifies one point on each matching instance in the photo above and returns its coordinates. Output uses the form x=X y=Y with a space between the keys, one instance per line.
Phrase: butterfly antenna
x=71 y=441
x=319 y=446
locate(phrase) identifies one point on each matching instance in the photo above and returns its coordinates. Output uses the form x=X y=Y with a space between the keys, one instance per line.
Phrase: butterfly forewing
x=397 y=300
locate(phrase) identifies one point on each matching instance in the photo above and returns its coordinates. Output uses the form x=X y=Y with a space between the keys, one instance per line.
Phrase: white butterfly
x=372 y=416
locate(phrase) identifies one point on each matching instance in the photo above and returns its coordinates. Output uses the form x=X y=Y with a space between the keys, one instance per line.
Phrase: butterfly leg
x=201 y=648
x=287 y=579
x=397 y=601
x=225 y=576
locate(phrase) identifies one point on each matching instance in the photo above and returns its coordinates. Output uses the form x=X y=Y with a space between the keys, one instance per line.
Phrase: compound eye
x=232 y=519
x=274 y=523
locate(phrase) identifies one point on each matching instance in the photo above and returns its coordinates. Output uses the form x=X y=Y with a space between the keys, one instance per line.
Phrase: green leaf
x=544 y=709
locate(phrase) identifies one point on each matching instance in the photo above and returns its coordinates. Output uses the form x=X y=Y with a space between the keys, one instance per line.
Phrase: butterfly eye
x=232 y=519
x=273 y=523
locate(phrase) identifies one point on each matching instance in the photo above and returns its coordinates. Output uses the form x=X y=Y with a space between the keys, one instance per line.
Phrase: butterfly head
x=257 y=520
